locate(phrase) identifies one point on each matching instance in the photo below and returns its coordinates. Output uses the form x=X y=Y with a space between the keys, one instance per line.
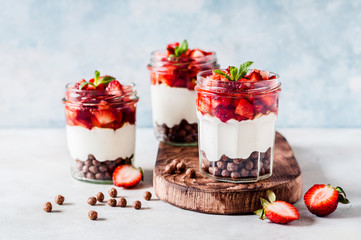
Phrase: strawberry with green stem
x=277 y=211
x=97 y=82
x=235 y=74
x=323 y=199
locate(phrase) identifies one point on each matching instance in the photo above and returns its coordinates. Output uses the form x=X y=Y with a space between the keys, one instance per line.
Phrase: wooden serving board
x=209 y=196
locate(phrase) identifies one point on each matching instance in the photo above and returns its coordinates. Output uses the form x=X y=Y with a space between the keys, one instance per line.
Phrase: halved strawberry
x=277 y=211
x=265 y=75
x=114 y=86
x=104 y=116
x=203 y=103
x=244 y=108
x=254 y=76
x=323 y=199
x=196 y=53
x=127 y=176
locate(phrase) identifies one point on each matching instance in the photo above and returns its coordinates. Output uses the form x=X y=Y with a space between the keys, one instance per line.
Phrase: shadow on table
x=148 y=180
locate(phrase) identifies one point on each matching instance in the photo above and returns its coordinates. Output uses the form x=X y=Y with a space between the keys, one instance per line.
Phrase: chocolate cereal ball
x=113 y=192
x=137 y=205
x=47 y=207
x=191 y=173
x=100 y=197
x=147 y=195
x=181 y=167
x=59 y=200
x=92 y=201
x=93 y=215
x=122 y=202
x=112 y=202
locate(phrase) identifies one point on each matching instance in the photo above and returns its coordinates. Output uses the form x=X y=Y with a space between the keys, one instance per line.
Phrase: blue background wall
x=315 y=46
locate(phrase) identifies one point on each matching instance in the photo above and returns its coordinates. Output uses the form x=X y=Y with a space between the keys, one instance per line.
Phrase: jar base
x=238 y=180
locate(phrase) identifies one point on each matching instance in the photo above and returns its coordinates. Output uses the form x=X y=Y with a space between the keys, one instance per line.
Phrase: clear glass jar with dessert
x=100 y=126
x=237 y=110
x=173 y=75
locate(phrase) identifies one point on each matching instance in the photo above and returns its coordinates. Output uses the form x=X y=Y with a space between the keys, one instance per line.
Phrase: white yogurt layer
x=172 y=104
x=103 y=143
x=235 y=139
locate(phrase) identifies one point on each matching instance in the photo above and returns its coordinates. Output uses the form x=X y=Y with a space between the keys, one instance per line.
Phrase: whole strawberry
x=323 y=199
x=277 y=211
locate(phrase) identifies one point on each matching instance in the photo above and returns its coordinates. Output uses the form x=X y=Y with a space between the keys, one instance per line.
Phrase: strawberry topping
x=127 y=176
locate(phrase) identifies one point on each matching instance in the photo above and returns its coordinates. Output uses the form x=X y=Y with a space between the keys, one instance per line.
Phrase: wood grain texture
x=209 y=196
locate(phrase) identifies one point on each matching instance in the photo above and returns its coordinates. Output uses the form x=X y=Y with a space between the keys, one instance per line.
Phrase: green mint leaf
x=243 y=69
x=96 y=77
x=234 y=72
x=178 y=50
x=85 y=83
x=184 y=46
x=271 y=196
x=222 y=73
x=106 y=80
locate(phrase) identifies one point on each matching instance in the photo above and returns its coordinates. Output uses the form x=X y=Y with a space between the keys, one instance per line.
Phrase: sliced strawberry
x=196 y=53
x=281 y=212
x=277 y=211
x=244 y=108
x=265 y=75
x=323 y=199
x=104 y=116
x=254 y=76
x=270 y=101
x=114 y=86
x=127 y=176
x=83 y=118
x=217 y=101
x=171 y=47
x=77 y=85
x=224 y=113
x=203 y=103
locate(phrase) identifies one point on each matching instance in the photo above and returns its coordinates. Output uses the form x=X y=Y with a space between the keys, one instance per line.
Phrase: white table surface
x=34 y=168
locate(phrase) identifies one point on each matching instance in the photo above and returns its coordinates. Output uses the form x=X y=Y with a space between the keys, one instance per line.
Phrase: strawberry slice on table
x=244 y=108
x=127 y=176
x=323 y=199
x=277 y=211
x=104 y=116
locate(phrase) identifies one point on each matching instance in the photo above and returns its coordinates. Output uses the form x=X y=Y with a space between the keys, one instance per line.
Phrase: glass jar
x=100 y=129
x=173 y=96
x=233 y=147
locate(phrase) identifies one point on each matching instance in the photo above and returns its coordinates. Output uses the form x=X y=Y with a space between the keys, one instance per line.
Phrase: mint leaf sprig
x=179 y=50
x=97 y=80
x=236 y=73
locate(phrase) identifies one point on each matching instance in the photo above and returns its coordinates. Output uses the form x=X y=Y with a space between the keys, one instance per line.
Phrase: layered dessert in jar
x=100 y=126
x=237 y=111
x=173 y=75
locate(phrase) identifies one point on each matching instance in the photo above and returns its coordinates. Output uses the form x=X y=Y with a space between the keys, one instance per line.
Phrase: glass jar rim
x=218 y=86
x=113 y=97
x=159 y=58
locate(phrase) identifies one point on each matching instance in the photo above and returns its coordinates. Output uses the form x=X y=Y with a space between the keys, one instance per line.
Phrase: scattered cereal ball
x=181 y=166
x=92 y=201
x=175 y=162
x=147 y=195
x=137 y=205
x=93 y=215
x=113 y=192
x=59 y=200
x=170 y=169
x=191 y=173
x=112 y=202
x=122 y=202
x=47 y=207
x=100 y=197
